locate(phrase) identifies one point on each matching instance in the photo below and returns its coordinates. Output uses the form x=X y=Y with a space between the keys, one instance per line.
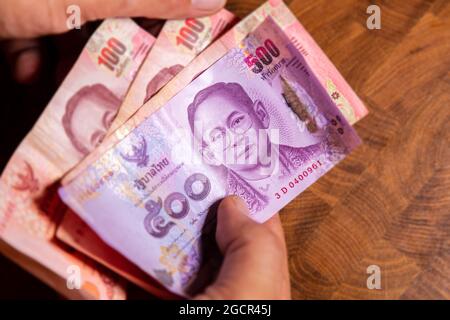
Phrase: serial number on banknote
x=298 y=179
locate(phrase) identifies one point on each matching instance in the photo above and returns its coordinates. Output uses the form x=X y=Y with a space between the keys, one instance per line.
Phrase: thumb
x=22 y=19
x=24 y=58
x=255 y=259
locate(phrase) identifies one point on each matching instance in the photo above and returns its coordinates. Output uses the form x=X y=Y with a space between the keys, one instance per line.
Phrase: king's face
x=90 y=122
x=229 y=131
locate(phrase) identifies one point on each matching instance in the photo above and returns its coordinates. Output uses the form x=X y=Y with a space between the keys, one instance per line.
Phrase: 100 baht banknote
x=73 y=123
x=258 y=124
x=177 y=44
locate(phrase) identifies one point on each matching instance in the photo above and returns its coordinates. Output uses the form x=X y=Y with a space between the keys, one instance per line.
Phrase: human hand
x=26 y=19
x=23 y=20
x=255 y=258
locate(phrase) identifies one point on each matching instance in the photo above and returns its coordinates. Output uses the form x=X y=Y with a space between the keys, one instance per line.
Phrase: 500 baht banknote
x=258 y=123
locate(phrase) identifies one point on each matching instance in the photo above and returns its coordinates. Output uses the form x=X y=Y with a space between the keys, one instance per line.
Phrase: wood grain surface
x=388 y=203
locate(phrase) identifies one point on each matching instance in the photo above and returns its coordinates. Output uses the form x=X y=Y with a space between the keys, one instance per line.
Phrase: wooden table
x=388 y=203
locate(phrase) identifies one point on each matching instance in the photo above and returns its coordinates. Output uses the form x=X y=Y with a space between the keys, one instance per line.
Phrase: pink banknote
x=258 y=123
x=73 y=123
x=74 y=232
x=177 y=44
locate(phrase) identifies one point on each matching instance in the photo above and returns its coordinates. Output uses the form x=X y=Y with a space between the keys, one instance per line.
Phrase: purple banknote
x=257 y=124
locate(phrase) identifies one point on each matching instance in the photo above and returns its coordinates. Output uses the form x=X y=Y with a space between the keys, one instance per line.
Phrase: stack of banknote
x=116 y=181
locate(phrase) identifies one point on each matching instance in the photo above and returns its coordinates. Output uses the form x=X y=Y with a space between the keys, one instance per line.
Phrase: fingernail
x=208 y=5
x=240 y=204
x=27 y=65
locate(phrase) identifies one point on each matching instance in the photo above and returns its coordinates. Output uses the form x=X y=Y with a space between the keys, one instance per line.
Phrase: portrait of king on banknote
x=163 y=76
x=98 y=106
x=237 y=138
